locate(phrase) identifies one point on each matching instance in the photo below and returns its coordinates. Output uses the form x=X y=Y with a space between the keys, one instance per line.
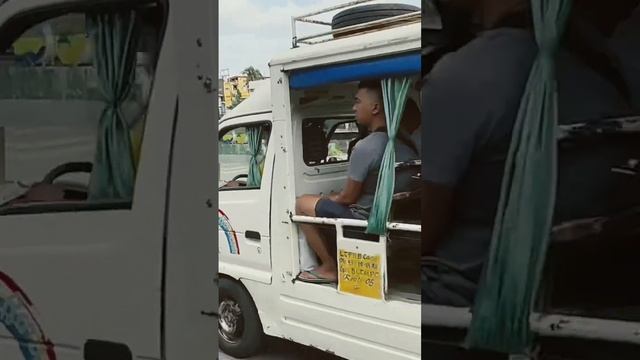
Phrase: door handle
x=106 y=350
x=253 y=235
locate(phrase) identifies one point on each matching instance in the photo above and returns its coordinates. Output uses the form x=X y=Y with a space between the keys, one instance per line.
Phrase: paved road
x=279 y=349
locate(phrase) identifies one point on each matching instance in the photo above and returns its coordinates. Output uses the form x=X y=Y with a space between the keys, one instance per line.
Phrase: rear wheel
x=239 y=328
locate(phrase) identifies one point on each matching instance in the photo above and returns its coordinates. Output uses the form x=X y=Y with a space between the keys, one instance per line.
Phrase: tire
x=366 y=13
x=239 y=328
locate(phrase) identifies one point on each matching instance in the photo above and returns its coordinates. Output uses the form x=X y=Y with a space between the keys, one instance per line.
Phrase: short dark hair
x=373 y=85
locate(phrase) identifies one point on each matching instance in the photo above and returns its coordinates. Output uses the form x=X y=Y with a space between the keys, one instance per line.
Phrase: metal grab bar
x=544 y=324
x=352 y=222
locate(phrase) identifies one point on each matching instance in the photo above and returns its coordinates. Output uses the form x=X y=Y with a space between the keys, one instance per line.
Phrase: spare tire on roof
x=367 y=13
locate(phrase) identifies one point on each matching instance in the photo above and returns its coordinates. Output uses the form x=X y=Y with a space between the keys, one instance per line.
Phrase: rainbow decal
x=232 y=239
x=17 y=316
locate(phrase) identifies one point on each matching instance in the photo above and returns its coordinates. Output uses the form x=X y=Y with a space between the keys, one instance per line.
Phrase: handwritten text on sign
x=360 y=274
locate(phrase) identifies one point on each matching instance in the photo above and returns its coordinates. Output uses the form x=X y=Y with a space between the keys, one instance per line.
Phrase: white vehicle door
x=87 y=105
x=190 y=265
x=245 y=196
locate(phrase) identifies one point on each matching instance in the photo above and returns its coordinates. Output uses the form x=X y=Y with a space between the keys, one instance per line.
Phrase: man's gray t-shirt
x=364 y=165
x=472 y=97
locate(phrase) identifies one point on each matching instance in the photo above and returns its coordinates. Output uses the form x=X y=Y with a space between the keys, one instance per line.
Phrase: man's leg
x=306 y=205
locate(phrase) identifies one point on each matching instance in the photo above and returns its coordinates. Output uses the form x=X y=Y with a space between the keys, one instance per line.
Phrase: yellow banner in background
x=25 y=46
x=70 y=50
x=360 y=274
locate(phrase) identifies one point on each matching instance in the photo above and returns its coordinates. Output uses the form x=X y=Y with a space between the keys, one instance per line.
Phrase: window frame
x=343 y=119
x=20 y=23
x=222 y=132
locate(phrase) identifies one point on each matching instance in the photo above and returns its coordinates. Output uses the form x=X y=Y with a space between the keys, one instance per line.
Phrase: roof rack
x=328 y=35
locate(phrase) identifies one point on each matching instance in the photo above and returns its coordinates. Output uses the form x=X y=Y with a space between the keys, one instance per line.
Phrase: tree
x=252 y=74
x=237 y=99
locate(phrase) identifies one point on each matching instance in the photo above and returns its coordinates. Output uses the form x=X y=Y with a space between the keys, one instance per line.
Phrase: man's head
x=368 y=105
x=411 y=116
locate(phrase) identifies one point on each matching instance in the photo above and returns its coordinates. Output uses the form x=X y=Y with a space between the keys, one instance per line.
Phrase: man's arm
x=350 y=194
x=360 y=164
x=437 y=213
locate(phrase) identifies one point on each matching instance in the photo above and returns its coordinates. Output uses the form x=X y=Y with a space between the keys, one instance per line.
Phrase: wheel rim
x=231 y=321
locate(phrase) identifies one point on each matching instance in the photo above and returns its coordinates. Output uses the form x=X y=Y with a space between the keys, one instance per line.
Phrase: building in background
x=221 y=108
x=232 y=90
x=236 y=89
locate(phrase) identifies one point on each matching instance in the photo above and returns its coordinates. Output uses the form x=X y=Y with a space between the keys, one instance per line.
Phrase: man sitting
x=356 y=199
x=473 y=96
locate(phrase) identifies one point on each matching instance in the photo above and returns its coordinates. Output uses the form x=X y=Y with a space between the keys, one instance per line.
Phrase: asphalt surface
x=279 y=349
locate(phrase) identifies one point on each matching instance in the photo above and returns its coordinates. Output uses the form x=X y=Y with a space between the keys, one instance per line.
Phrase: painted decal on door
x=232 y=239
x=17 y=315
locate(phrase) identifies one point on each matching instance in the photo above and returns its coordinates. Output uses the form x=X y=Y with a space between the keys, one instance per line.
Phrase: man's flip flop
x=315 y=278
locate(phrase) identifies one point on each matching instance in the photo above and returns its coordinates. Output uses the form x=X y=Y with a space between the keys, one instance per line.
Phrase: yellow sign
x=70 y=50
x=360 y=274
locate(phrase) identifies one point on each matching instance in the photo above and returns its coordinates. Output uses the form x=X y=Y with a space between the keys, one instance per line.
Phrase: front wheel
x=239 y=327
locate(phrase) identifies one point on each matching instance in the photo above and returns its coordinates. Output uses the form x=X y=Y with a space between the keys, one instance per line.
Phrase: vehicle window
x=73 y=103
x=327 y=141
x=242 y=152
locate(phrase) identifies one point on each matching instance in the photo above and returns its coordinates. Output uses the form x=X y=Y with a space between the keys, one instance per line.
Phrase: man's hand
x=349 y=195
x=233 y=184
x=333 y=196
x=41 y=192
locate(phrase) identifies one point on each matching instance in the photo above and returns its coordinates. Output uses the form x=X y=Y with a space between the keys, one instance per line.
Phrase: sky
x=251 y=32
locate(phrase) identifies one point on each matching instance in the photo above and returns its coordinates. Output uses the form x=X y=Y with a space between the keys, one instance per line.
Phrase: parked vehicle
x=302 y=124
x=107 y=229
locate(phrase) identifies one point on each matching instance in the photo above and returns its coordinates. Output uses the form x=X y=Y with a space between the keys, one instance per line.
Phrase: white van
x=106 y=226
x=297 y=127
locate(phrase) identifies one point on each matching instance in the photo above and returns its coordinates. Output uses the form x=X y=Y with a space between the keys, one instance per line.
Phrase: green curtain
x=394 y=94
x=255 y=140
x=115 y=36
x=524 y=218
